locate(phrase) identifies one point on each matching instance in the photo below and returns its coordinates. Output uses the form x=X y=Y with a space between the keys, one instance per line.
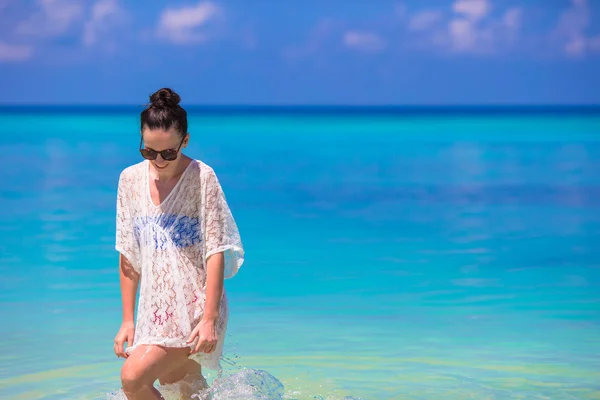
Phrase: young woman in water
x=178 y=240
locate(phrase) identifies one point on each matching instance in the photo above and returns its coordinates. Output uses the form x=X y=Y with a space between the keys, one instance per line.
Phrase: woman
x=177 y=238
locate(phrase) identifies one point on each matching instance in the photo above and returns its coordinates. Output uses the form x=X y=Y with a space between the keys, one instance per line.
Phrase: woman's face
x=158 y=140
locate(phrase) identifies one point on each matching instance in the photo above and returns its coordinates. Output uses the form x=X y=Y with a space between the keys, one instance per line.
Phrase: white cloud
x=571 y=30
x=462 y=34
x=466 y=30
x=54 y=18
x=512 y=18
x=575 y=46
x=424 y=20
x=93 y=23
x=473 y=30
x=105 y=13
x=12 y=53
x=364 y=41
x=472 y=9
x=181 y=25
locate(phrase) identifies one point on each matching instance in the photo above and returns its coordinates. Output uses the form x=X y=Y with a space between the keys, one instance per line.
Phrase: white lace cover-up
x=168 y=245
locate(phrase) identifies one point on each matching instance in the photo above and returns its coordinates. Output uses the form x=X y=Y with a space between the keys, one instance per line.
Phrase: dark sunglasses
x=167 y=155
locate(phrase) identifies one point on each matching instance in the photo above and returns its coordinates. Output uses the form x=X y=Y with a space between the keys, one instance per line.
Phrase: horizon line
x=319 y=108
x=80 y=104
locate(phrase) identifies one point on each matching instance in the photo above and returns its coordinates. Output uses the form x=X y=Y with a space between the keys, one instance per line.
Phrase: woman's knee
x=134 y=377
x=147 y=363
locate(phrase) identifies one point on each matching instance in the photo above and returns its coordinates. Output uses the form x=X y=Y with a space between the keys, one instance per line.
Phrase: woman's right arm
x=129 y=283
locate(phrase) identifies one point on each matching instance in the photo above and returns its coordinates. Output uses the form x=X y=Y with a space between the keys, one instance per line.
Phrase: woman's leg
x=145 y=365
x=189 y=376
x=177 y=374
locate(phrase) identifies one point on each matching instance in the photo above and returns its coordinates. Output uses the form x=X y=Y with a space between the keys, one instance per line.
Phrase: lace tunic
x=168 y=245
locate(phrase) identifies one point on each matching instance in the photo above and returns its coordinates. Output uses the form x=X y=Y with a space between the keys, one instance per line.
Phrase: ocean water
x=389 y=255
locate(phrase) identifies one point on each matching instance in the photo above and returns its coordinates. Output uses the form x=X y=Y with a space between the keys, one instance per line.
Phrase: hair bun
x=165 y=98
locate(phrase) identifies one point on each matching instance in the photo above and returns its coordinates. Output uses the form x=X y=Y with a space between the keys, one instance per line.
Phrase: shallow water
x=387 y=256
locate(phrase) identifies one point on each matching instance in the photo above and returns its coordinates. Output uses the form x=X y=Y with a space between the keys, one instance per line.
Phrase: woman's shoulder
x=132 y=172
x=205 y=171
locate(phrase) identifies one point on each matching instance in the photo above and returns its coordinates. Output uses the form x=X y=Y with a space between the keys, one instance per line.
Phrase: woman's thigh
x=190 y=367
x=149 y=362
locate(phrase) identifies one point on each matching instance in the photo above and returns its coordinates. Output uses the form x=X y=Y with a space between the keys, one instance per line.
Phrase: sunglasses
x=167 y=155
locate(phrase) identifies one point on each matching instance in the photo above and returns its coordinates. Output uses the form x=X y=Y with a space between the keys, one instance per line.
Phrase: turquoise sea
x=416 y=254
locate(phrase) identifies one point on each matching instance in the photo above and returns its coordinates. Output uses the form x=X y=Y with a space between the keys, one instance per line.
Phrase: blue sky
x=301 y=52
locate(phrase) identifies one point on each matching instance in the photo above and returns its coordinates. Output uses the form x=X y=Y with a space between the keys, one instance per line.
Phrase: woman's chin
x=161 y=168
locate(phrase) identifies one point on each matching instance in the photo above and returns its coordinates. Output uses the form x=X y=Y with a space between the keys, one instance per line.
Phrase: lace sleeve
x=126 y=242
x=221 y=233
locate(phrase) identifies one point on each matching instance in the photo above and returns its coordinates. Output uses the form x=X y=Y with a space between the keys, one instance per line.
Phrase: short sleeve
x=126 y=242
x=221 y=233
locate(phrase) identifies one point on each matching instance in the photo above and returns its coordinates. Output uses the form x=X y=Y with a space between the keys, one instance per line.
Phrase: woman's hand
x=206 y=331
x=124 y=335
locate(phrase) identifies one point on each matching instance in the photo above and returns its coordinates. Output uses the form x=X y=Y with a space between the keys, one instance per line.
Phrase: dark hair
x=164 y=112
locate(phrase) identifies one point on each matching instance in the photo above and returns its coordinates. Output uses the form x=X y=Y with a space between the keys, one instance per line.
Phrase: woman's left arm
x=207 y=328
x=215 y=266
x=223 y=256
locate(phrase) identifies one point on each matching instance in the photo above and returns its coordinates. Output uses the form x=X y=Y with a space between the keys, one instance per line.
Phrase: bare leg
x=177 y=374
x=190 y=377
x=145 y=365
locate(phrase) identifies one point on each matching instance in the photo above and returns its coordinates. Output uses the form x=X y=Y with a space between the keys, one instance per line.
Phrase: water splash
x=246 y=384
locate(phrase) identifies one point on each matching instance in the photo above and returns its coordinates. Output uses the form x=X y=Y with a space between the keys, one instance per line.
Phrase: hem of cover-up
x=210 y=360
x=129 y=256
x=160 y=343
x=230 y=270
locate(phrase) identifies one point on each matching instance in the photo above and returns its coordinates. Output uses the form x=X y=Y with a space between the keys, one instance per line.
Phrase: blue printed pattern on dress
x=184 y=231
